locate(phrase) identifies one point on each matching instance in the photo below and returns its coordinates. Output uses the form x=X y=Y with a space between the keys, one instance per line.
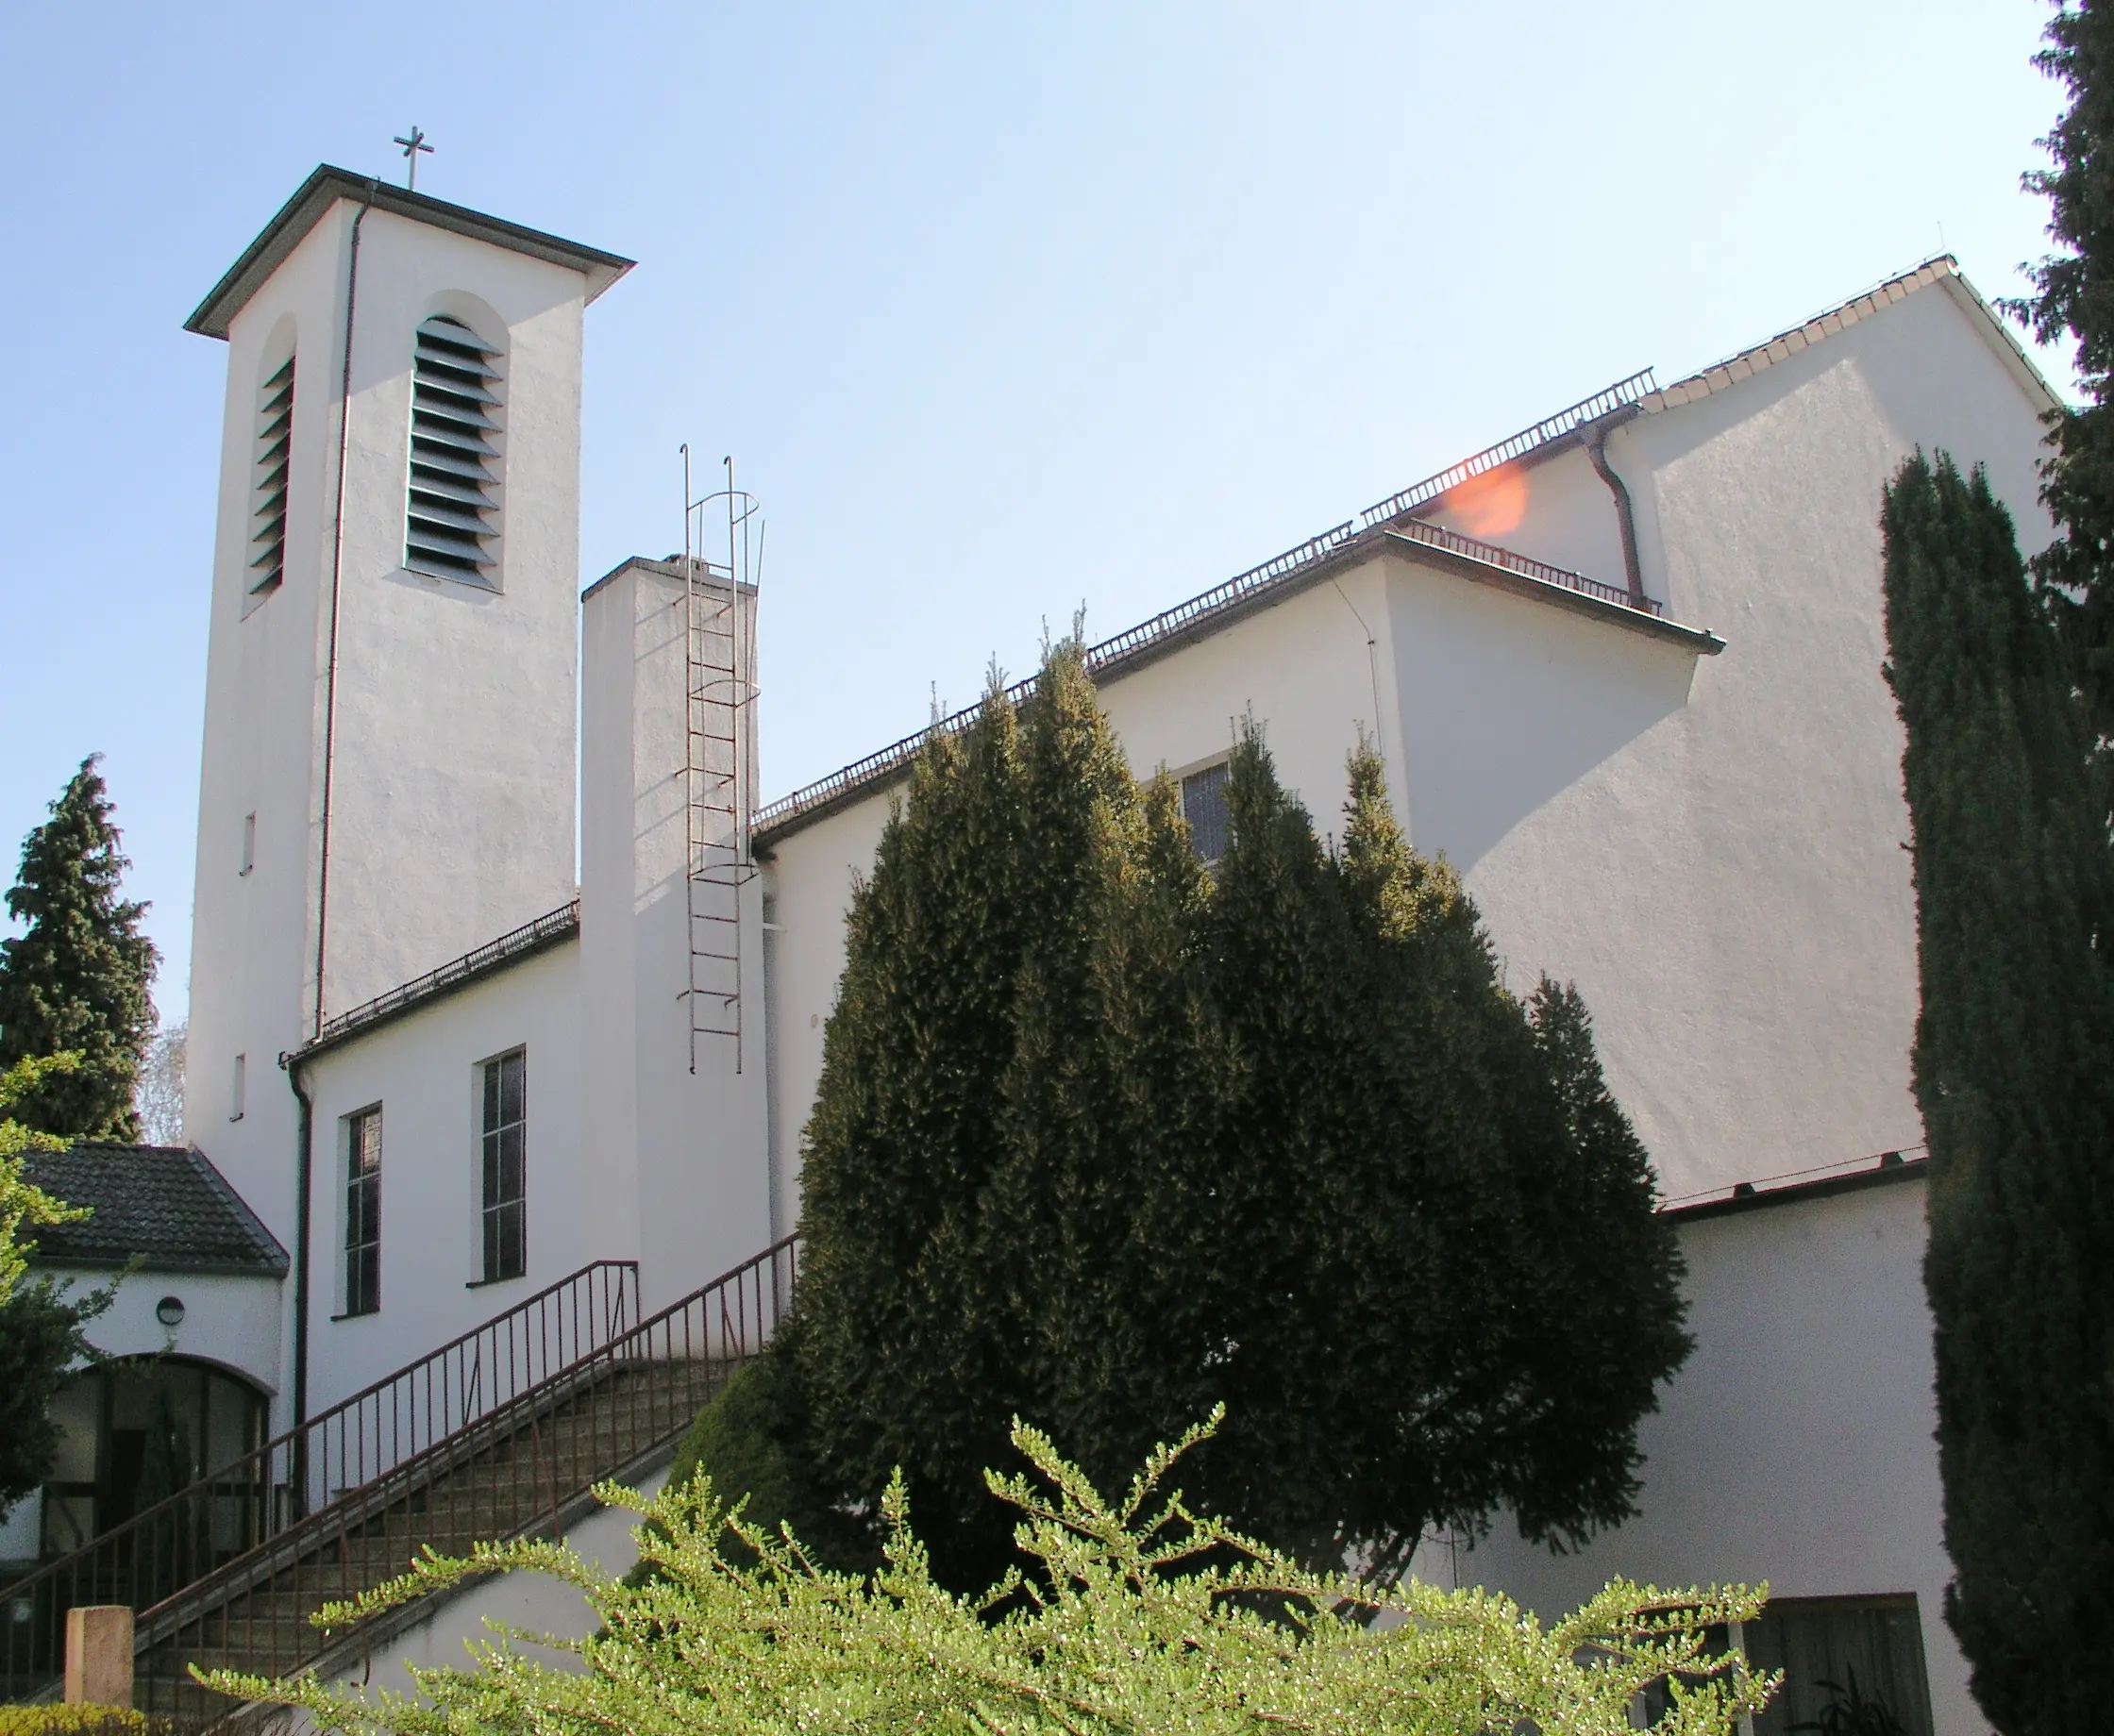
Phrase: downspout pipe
x=304 y=1194
x=337 y=572
x=1595 y=435
x=304 y=1175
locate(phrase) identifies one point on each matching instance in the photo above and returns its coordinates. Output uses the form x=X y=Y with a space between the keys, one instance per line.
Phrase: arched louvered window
x=451 y=522
x=275 y=439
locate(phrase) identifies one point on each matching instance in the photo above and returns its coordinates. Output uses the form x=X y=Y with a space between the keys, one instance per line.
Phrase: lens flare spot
x=1491 y=504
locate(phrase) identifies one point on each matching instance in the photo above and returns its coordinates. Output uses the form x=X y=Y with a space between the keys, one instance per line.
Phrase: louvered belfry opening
x=275 y=439
x=451 y=525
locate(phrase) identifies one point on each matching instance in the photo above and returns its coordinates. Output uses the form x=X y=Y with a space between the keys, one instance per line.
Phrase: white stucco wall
x=808 y=881
x=1725 y=880
x=1709 y=847
x=528 y=1602
x=1555 y=509
x=455 y=717
x=684 y=1152
x=423 y=1069
x=230 y=1320
x=1303 y=669
x=452 y=787
x=252 y=938
x=1796 y=1445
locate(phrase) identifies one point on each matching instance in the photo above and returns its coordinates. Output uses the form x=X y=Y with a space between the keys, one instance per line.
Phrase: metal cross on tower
x=412 y=146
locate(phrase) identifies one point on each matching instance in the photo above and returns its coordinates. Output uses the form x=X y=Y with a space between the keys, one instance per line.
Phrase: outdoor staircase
x=562 y=1392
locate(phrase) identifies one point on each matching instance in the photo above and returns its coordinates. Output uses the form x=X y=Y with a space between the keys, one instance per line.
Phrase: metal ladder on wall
x=719 y=650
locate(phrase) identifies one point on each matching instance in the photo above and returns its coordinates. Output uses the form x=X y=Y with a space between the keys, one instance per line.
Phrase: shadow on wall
x=1505 y=703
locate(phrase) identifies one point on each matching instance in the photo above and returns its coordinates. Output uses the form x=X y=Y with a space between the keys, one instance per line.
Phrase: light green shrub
x=1139 y=1616
x=73 y=1721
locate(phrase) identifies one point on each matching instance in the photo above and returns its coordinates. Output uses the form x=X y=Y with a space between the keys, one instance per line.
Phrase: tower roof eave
x=328 y=185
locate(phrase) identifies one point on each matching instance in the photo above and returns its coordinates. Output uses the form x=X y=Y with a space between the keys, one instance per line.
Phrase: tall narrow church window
x=364 y=1211
x=450 y=524
x=506 y=1125
x=1203 y=805
x=274 y=440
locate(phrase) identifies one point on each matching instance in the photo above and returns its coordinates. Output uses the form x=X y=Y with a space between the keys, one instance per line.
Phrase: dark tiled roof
x=313 y=199
x=163 y=1203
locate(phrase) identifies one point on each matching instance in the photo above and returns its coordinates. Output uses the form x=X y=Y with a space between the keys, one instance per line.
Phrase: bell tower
x=388 y=767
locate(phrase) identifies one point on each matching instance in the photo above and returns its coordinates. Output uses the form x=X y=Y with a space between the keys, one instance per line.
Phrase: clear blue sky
x=1003 y=310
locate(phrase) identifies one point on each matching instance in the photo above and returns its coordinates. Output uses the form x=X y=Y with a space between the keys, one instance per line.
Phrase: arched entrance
x=136 y=1431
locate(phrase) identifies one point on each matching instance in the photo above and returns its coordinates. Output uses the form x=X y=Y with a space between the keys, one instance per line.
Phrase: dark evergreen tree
x=1466 y=1298
x=903 y=1351
x=1106 y=1038
x=2074 y=298
x=1100 y=1141
x=77 y=979
x=41 y=1320
x=41 y=1328
x=2015 y=890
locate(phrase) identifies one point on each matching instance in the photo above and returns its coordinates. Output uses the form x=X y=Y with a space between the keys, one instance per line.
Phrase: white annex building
x=1624 y=668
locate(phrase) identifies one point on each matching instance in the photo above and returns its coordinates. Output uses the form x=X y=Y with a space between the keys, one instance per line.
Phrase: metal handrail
x=545 y=930
x=1488 y=554
x=1244 y=586
x=519 y=1466
x=235 y=1508
x=1609 y=399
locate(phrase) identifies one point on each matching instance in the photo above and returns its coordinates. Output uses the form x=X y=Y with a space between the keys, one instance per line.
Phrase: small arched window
x=450 y=522
x=267 y=517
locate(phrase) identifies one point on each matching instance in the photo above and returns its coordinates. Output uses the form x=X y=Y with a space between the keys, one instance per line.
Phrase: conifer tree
x=41 y=1319
x=1104 y=1142
x=2074 y=298
x=77 y=979
x=2015 y=890
x=900 y=1352
x=1451 y=1218
x=1012 y=1030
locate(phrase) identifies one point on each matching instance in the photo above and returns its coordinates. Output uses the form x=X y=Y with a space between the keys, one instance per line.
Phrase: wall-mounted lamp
x=169 y=1310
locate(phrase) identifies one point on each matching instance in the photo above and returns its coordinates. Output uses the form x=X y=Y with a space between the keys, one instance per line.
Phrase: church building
x=448 y=1054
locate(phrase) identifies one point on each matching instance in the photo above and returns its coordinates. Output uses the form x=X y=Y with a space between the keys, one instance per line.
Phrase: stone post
x=99 y=1655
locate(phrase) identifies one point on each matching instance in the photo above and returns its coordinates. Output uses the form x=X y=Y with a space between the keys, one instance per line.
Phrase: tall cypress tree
x=77 y=979
x=1103 y=1070
x=902 y=1352
x=2074 y=298
x=2015 y=892
x=1010 y=1028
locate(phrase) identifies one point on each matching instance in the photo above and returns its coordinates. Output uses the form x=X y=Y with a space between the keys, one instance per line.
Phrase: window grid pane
x=1838 y=1652
x=1203 y=805
x=363 y=1212
x=505 y=1167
